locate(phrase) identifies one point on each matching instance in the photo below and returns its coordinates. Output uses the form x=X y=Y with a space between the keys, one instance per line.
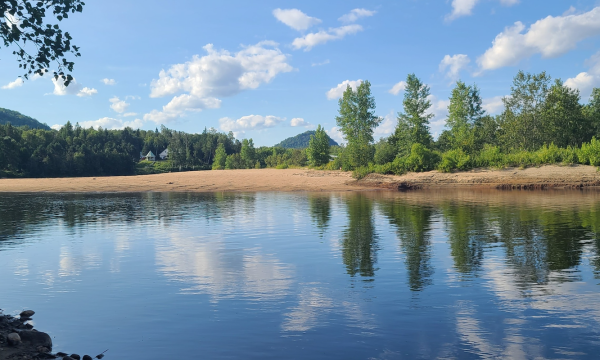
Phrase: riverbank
x=290 y=180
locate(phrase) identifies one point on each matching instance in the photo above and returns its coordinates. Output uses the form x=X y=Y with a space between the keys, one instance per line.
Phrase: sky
x=268 y=70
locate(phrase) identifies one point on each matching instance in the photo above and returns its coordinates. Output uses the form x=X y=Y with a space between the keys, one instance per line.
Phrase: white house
x=163 y=155
x=150 y=156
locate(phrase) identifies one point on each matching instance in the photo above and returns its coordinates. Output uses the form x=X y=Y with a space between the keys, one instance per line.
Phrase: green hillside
x=17 y=119
x=300 y=141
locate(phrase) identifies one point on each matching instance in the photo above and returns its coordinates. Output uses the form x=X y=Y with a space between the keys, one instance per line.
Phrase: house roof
x=150 y=154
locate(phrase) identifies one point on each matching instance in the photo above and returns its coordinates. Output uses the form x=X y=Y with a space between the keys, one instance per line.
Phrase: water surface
x=429 y=274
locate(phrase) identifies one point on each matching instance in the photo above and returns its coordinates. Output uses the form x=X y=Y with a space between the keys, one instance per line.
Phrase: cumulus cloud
x=439 y=109
x=56 y=127
x=118 y=105
x=551 y=37
x=299 y=122
x=14 y=84
x=313 y=39
x=586 y=81
x=129 y=114
x=249 y=122
x=109 y=81
x=217 y=74
x=465 y=7
x=111 y=123
x=86 y=91
x=295 y=19
x=356 y=14
x=493 y=105
x=338 y=91
x=336 y=134
x=73 y=89
x=452 y=65
x=395 y=90
x=387 y=126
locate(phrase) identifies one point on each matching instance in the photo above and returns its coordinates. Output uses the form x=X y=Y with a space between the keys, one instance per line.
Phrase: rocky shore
x=19 y=340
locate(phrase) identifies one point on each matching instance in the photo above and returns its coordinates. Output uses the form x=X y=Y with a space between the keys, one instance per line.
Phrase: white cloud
x=111 y=123
x=249 y=122
x=321 y=63
x=86 y=91
x=439 y=109
x=109 y=81
x=387 y=126
x=56 y=127
x=585 y=82
x=14 y=84
x=336 y=134
x=465 y=7
x=310 y=40
x=217 y=74
x=356 y=14
x=129 y=114
x=452 y=65
x=493 y=105
x=395 y=90
x=461 y=8
x=299 y=122
x=118 y=105
x=550 y=37
x=295 y=19
x=338 y=91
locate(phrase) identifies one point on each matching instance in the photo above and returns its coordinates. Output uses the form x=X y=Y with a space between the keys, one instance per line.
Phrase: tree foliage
x=318 y=148
x=24 y=22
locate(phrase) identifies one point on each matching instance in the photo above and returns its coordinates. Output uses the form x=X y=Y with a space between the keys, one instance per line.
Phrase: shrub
x=490 y=156
x=361 y=171
x=454 y=159
x=282 y=166
x=421 y=159
x=384 y=152
x=569 y=155
x=590 y=152
x=548 y=154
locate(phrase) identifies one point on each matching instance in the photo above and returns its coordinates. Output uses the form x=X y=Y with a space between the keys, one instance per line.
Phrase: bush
x=590 y=152
x=282 y=166
x=569 y=155
x=454 y=160
x=490 y=156
x=361 y=171
x=549 y=155
x=384 y=152
x=421 y=159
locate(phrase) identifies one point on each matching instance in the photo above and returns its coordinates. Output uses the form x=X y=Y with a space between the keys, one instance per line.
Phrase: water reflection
x=359 y=239
x=480 y=274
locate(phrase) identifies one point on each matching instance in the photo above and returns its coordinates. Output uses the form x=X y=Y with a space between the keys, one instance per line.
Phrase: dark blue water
x=452 y=274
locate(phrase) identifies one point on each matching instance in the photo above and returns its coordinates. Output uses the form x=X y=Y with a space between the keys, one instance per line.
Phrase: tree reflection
x=359 y=244
x=320 y=211
x=413 y=224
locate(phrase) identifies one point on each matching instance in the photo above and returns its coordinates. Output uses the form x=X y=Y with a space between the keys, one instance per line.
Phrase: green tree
x=464 y=113
x=413 y=123
x=248 y=154
x=592 y=112
x=23 y=22
x=522 y=119
x=318 y=148
x=563 y=118
x=220 y=158
x=357 y=121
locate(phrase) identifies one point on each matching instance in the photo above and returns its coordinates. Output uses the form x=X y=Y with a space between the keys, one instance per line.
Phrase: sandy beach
x=551 y=176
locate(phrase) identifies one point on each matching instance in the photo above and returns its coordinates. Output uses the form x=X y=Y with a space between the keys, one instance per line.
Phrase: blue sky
x=271 y=69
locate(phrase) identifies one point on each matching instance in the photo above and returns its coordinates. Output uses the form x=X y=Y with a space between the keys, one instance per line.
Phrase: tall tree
x=413 y=123
x=592 y=112
x=464 y=113
x=357 y=121
x=23 y=22
x=248 y=154
x=318 y=148
x=522 y=119
x=220 y=158
x=564 y=121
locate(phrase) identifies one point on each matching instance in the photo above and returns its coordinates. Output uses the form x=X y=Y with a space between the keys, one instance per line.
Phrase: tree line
x=543 y=122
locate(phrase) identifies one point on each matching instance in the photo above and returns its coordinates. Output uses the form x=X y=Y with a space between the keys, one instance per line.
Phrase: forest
x=543 y=122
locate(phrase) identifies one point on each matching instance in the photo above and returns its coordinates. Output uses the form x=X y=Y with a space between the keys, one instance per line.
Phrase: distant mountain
x=17 y=119
x=300 y=141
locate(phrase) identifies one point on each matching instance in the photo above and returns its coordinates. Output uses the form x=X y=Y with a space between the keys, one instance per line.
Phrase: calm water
x=453 y=274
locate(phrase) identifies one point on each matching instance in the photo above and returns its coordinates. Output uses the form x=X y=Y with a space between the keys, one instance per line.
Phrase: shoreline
x=306 y=180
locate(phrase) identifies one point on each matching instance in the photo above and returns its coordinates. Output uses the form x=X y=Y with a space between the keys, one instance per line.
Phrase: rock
x=13 y=339
x=99 y=356
x=60 y=353
x=27 y=313
x=36 y=338
x=43 y=349
x=75 y=356
x=67 y=358
x=87 y=357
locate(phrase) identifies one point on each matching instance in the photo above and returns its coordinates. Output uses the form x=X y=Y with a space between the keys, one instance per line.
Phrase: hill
x=17 y=119
x=300 y=141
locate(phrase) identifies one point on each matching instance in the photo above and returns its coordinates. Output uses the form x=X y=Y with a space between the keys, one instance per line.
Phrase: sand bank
x=313 y=180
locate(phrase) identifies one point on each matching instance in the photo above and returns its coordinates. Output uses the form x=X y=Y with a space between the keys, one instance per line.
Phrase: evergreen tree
x=248 y=154
x=413 y=123
x=220 y=158
x=357 y=121
x=318 y=148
